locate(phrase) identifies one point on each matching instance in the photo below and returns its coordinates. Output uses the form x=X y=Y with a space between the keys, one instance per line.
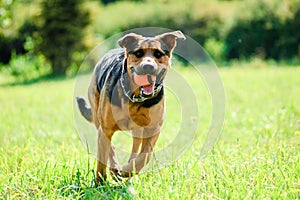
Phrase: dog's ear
x=129 y=41
x=168 y=40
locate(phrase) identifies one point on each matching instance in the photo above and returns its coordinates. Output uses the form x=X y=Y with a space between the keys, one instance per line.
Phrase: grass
x=256 y=157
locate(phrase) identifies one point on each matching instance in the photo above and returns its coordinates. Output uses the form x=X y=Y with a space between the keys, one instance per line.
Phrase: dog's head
x=147 y=59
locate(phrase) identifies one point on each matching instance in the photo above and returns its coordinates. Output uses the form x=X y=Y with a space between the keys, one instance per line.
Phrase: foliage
x=105 y=2
x=14 y=43
x=265 y=28
x=9 y=39
x=5 y=16
x=256 y=157
x=8 y=45
x=215 y=48
x=199 y=24
x=28 y=67
x=28 y=64
x=268 y=29
x=62 y=32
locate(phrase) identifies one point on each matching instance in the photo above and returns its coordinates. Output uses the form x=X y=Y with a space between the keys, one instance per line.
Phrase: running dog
x=126 y=92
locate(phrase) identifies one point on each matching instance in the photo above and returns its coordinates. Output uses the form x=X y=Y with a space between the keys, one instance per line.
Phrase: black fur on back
x=109 y=71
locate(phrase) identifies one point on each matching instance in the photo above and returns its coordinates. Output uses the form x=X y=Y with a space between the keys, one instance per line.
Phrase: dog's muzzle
x=147 y=68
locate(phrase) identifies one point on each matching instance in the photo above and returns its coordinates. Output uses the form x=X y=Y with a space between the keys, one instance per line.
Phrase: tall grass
x=256 y=157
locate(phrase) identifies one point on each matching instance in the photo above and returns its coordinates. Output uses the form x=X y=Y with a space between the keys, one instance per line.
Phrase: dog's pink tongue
x=142 y=80
x=148 y=89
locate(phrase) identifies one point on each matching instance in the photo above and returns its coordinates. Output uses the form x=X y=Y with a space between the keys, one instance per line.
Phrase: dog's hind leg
x=115 y=168
x=103 y=151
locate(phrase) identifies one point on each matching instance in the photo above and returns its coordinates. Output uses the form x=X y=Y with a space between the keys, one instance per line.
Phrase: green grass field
x=256 y=157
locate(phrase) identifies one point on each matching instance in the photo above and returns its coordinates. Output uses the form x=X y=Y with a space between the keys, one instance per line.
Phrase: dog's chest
x=131 y=116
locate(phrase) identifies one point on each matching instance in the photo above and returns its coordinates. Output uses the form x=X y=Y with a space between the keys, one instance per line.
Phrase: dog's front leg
x=135 y=165
x=104 y=147
x=137 y=138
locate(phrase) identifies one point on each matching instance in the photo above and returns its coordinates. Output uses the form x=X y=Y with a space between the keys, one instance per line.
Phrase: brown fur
x=144 y=122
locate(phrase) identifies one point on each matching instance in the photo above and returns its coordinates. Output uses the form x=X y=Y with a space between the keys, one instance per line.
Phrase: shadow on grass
x=78 y=186
x=106 y=191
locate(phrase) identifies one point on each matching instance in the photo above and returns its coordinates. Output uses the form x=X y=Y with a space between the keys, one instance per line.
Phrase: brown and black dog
x=127 y=93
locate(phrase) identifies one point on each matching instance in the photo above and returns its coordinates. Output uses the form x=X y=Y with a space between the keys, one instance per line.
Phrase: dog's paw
x=116 y=174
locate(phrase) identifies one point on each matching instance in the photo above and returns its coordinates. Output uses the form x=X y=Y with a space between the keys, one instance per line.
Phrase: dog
x=126 y=92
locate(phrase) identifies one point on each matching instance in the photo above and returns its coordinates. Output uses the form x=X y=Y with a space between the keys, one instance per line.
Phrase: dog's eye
x=158 y=54
x=139 y=53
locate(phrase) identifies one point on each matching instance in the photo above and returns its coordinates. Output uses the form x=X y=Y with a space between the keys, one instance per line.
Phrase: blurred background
x=52 y=37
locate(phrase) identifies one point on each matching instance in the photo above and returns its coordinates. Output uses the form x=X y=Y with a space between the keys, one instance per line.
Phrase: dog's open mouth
x=148 y=89
x=147 y=83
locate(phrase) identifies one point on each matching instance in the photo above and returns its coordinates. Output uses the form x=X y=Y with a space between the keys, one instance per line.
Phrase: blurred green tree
x=62 y=32
x=5 y=30
x=105 y=2
x=268 y=29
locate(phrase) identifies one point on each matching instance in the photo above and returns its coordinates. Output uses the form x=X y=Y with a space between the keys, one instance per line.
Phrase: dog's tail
x=84 y=108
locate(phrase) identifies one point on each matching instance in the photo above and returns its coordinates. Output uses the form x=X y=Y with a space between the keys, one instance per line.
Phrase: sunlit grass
x=256 y=157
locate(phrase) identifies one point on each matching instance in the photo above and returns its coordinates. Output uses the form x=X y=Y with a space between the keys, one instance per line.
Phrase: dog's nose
x=148 y=69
